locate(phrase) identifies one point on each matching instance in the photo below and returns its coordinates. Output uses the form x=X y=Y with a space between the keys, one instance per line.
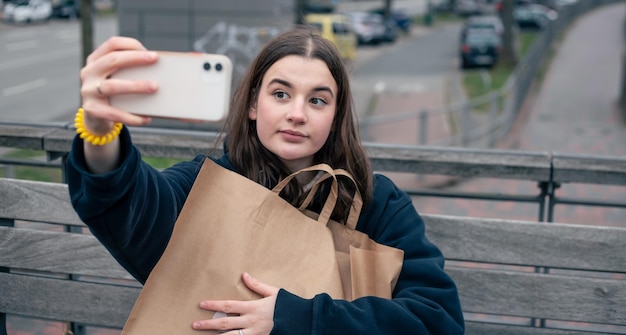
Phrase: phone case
x=192 y=86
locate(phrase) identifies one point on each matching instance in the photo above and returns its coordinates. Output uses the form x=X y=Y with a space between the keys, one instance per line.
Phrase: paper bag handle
x=357 y=200
x=329 y=205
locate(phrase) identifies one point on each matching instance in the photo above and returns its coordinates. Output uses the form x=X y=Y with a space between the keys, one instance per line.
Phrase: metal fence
x=547 y=170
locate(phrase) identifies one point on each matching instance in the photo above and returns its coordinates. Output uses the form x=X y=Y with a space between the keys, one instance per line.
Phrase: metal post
x=493 y=116
x=465 y=125
x=423 y=127
x=3 y=316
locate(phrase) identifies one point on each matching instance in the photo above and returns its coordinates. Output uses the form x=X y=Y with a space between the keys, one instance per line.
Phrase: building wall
x=237 y=28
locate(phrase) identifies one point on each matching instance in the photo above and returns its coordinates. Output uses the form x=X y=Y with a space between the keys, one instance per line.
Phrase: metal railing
x=548 y=170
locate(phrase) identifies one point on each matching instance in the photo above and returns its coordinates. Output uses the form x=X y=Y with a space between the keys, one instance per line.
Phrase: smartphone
x=193 y=87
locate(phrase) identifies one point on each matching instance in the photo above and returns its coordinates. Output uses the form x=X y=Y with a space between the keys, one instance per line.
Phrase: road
x=414 y=63
x=40 y=64
x=39 y=68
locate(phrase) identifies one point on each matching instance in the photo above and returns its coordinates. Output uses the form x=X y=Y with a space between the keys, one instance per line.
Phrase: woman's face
x=295 y=109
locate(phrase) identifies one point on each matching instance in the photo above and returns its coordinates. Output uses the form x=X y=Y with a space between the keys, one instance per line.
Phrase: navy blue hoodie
x=132 y=211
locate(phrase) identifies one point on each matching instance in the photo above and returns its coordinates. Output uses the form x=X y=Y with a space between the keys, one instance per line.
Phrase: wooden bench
x=512 y=276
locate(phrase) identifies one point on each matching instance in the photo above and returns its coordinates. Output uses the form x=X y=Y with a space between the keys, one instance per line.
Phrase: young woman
x=293 y=109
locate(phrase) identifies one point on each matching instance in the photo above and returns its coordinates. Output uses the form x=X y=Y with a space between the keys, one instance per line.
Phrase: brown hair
x=342 y=149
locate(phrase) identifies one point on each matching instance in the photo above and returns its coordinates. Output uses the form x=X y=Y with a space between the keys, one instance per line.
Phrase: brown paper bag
x=230 y=225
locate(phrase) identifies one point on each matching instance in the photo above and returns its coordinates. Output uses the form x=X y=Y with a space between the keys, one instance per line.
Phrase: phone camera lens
x=218 y=67
x=207 y=66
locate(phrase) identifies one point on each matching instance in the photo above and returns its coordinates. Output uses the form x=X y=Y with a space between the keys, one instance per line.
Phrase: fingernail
x=196 y=325
x=151 y=55
x=152 y=86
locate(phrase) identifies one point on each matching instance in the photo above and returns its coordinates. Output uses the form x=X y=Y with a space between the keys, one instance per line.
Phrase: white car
x=26 y=11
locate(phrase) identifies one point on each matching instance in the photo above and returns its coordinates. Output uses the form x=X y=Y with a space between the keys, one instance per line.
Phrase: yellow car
x=336 y=28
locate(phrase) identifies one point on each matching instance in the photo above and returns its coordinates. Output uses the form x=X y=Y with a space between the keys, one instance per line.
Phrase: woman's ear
x=252 y=113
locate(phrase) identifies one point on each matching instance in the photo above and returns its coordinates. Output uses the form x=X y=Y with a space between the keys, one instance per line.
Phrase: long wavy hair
x=343 y=147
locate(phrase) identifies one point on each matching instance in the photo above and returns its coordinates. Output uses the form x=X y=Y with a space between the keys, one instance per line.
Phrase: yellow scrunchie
x=81 y=130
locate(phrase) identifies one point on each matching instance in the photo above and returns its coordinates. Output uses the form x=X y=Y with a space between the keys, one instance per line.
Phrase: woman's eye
x=281 y=95
x=318 y=101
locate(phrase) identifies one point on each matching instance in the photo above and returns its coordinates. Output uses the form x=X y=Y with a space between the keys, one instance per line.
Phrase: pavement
x=575 y=111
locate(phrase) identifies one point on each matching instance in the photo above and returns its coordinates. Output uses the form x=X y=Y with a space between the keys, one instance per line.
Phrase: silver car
x=370 y=28
x=26 y=11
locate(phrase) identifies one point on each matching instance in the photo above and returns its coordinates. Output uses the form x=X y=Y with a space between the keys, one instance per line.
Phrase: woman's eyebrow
x=280 y=81
x=288 y=84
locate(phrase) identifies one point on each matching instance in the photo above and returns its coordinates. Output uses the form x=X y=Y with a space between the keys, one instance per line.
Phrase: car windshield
x=482 y=38
x=484 y=25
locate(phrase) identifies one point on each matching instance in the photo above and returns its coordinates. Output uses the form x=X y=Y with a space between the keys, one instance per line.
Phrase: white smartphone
x=193 y=87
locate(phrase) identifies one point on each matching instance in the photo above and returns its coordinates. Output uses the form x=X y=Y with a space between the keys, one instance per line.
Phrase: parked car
x=467 y=7
x=560 y=4
x=336 y=28
x=26 y=11
x=479 y=48
x=369 y=28
x=399 y=17
x=391 y=30
x=488 y=22
x=66 y=9
x=534 y=16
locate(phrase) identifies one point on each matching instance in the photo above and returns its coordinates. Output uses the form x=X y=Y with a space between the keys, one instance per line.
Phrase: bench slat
x=56 y=299
x=384 y=157
x=57 y=252
x=592 y=170
x=480 y=328
x=474 y=163
x=24 y=137
x=594 y=248
x=36 y=201
x=556 y=297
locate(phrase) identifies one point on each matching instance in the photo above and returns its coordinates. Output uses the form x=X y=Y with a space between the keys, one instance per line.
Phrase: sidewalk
x=575 y=111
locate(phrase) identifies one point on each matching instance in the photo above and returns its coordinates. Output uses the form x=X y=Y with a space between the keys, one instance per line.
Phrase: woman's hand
x=255 y=317
x=97 y=86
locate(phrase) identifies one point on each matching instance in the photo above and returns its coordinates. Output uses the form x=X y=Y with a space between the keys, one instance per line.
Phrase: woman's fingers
x=113 y=86
x=115 y=43
x=253 y=316
x=98 y=86
x=104 y=66
x=259 y=287
x=96 y=113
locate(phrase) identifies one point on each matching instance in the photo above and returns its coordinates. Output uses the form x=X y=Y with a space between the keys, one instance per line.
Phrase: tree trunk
x=86 y=25
x=452 y=5
x=387 y=9
x=300 y=11
x=508 y=57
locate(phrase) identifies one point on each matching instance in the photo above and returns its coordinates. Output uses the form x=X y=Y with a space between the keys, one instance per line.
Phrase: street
x=39 y=68
x=40 y=64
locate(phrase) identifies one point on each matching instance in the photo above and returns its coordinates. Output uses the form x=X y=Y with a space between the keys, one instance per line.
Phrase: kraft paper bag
x=230 y=225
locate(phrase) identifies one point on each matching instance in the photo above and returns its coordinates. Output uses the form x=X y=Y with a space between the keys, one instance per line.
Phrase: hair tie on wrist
x=81 y=130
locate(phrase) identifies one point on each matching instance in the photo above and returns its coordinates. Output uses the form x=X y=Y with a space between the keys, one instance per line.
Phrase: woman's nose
x=297 y=113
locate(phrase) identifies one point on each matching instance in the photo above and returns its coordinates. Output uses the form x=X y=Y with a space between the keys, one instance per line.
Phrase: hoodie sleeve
x=131 y=210
x=425 y=299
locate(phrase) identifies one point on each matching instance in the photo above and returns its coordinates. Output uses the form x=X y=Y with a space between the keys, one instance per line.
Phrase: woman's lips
x=292 y=135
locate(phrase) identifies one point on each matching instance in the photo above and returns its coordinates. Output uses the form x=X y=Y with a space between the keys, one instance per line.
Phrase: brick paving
x=574 y=112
